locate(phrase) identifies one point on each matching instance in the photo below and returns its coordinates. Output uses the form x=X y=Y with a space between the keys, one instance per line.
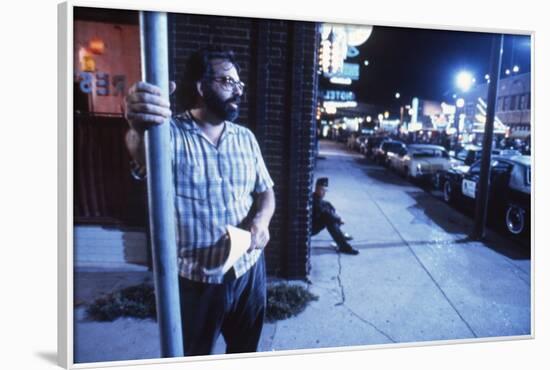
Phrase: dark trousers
x=235 y=308
x=328 y=219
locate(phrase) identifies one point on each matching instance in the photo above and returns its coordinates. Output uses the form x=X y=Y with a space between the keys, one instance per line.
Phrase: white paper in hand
x=239 y=242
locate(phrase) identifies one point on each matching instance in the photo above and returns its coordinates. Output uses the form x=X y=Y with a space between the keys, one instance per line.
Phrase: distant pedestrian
x=325 y=216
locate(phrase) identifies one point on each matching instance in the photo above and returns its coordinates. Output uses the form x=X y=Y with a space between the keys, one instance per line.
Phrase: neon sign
x=102 y=86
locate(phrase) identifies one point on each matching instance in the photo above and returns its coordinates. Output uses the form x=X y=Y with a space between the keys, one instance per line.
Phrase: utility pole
x=160 y=188
x=478 y=232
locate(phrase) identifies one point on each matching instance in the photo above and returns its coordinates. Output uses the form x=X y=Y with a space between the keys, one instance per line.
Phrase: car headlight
x=419 y=167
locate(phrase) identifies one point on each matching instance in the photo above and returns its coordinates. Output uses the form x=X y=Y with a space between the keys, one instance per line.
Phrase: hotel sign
x=338 y=95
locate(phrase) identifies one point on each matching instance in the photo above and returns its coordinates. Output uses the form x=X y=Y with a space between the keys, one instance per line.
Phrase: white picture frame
x=65 y=241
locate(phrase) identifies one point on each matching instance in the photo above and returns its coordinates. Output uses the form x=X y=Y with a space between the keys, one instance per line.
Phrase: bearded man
x=220 y=179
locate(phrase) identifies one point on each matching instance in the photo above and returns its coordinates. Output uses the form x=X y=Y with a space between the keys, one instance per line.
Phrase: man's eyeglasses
x=229 y=84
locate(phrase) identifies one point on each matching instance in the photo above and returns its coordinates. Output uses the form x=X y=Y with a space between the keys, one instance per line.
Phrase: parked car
x=357 y=141
x=380 y=154
x=472 y=153
x=505 y=152
x=351 y=140
x=468 y=154
x=509 y=200
x=341 y=135
x=421 y=161
x=370 y=144
x=363 y=146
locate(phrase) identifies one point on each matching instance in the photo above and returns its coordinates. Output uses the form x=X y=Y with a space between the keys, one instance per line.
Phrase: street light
x=459 y=105
x=380 y=120
x=397 y=96
x=464 y=80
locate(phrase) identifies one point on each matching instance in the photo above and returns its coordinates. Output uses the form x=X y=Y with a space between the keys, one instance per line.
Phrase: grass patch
x=135 y=301
x=283 y=301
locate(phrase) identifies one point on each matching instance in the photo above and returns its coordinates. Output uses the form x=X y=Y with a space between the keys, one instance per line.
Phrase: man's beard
x=221 y=108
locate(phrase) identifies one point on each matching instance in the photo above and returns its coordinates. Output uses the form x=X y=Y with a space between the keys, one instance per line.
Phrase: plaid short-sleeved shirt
x=214 y=187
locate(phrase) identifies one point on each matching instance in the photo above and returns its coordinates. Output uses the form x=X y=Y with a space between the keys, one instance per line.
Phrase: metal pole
x=160 y=189
x=457 y=123
x=483 y=185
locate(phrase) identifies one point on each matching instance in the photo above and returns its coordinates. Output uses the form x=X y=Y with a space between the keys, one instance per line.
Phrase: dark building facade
x=278 y=61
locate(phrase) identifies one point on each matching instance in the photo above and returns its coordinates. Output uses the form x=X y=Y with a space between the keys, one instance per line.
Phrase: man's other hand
x=260 y=235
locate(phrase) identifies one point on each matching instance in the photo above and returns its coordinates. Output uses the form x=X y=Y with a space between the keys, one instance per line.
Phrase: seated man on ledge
x=324 y=215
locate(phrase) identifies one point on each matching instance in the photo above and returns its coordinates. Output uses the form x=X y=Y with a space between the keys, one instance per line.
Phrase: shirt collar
x=189 y=124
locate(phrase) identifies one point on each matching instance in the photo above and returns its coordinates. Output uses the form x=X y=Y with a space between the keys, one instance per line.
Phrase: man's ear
x=199 y=88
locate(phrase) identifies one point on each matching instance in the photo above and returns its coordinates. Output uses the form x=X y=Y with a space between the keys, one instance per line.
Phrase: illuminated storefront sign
x=102 y=85
x=340 y=104
x=349 y=73
x=331 y=107
x=106 y=62
x=340 y=80
x=352 y=52
x=349 y=70
x=339 y=95
x=334 y=49
x=338 y=43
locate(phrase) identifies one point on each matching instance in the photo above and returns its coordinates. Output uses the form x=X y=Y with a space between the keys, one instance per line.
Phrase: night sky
x=424 y=63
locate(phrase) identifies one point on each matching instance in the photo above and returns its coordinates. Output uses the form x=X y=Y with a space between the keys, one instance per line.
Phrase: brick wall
x=278 y=63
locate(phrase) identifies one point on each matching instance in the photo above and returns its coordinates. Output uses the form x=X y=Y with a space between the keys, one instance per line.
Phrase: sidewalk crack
x=340 y=285
x=343 y=301
x=370 y=324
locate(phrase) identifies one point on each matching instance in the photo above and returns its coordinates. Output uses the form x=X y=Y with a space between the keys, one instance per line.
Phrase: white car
x=422 y=161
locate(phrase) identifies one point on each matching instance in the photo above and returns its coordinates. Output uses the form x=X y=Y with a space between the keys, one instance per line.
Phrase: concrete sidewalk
x=417 y=277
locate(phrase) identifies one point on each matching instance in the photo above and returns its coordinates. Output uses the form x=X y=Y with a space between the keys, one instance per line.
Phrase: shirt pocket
x=244 y=180
x=191 y=182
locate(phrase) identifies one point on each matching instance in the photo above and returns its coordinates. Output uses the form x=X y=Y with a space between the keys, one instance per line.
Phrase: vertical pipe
x=483 y=184
x=160 y=188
